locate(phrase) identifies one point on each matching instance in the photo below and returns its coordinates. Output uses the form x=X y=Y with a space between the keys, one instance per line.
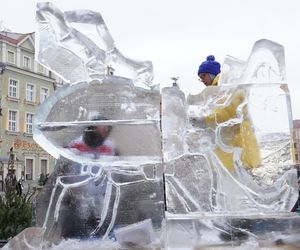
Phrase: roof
x=13 y=37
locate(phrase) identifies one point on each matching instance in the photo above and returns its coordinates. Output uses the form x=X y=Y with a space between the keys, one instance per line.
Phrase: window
x=29 y=123
x=11 y=57
x=44 y=164
x=26 y=62
x=44 y=94
x=296 y=157
x=12 y=121
x=295 y=145
x=13 y=88
x=41 y=69
x=30 y=92
x=29 y=168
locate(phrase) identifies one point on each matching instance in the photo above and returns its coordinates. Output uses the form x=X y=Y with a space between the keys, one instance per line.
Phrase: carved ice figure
x=233 y=142
x=104 y=190
x=266 y=64
x=83 y=47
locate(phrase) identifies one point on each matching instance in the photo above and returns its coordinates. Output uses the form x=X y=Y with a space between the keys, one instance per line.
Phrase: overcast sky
x=178 y=35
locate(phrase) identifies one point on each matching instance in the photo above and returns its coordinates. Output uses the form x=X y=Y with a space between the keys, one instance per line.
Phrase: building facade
x=24 y=85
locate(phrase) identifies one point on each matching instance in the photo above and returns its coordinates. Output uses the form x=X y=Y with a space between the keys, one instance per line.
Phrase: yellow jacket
x=216 y=80
x=242 y=135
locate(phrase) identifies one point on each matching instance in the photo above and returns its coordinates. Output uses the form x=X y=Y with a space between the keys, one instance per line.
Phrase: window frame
x=47 y=165
x=26 y=168
x=29 y=62
x=33 y=92
x=10 y=122
x=48 y=91
x=10 y=87
x=29 y=124
x=14 y=56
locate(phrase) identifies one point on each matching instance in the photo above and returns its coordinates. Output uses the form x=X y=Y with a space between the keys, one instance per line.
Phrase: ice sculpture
x=229 y=170
x=83 y=47
x=232 y=137
x=227 y=153
x=109 y=183
x=266 y=64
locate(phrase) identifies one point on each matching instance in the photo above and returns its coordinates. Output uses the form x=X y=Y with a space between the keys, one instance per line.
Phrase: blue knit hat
x=209 y=66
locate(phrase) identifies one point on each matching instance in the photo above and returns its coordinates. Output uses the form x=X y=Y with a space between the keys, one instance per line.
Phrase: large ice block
x=226 y=156
x=103 y=128
x=174 y=120
x=132 y=112
x=237 y=137
x=233 y=231
x=84 y=48
x=266 y=64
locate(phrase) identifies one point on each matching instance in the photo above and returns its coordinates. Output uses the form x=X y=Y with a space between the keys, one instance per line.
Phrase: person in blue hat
x=209 y=71
x=244 y=136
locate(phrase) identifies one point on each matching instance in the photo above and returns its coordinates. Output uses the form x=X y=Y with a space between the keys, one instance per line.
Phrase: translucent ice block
x=266 y=64
x=78 y=46
x=237 y=137
x=173 y=122
x=228 y=231
x=100 y=183
x=118 y=189
x=132 y=112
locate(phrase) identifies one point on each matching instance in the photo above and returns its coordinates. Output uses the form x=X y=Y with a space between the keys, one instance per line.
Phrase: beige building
x=24 y=84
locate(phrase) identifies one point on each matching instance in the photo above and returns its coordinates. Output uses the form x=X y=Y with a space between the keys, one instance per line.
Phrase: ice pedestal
x=233 y=231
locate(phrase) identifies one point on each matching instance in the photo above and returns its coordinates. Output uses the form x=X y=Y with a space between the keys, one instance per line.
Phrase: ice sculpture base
x=228 y=231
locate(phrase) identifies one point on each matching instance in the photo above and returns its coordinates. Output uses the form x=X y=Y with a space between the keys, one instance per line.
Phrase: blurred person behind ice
x=94 y=141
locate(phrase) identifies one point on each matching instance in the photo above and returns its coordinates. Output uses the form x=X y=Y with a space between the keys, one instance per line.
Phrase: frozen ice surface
x=132 y=112
x=101 y=183
x=225 y=150
x=136 y=235
x=99 y=204
x=241 y=136
x=110 y=191
x=266 y=64
x=228 y=231
x=232 y=182
x=173 y=122
x=84 y=48
x=232 y=70
x=187 y=184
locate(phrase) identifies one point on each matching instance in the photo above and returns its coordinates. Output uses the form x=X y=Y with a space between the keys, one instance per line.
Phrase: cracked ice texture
x=133 y=113
x=113 y=190
x=78 y=46
x=231 y=147
x=266 y=64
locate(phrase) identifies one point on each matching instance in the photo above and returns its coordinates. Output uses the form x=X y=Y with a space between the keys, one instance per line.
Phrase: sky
x=178 y=35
